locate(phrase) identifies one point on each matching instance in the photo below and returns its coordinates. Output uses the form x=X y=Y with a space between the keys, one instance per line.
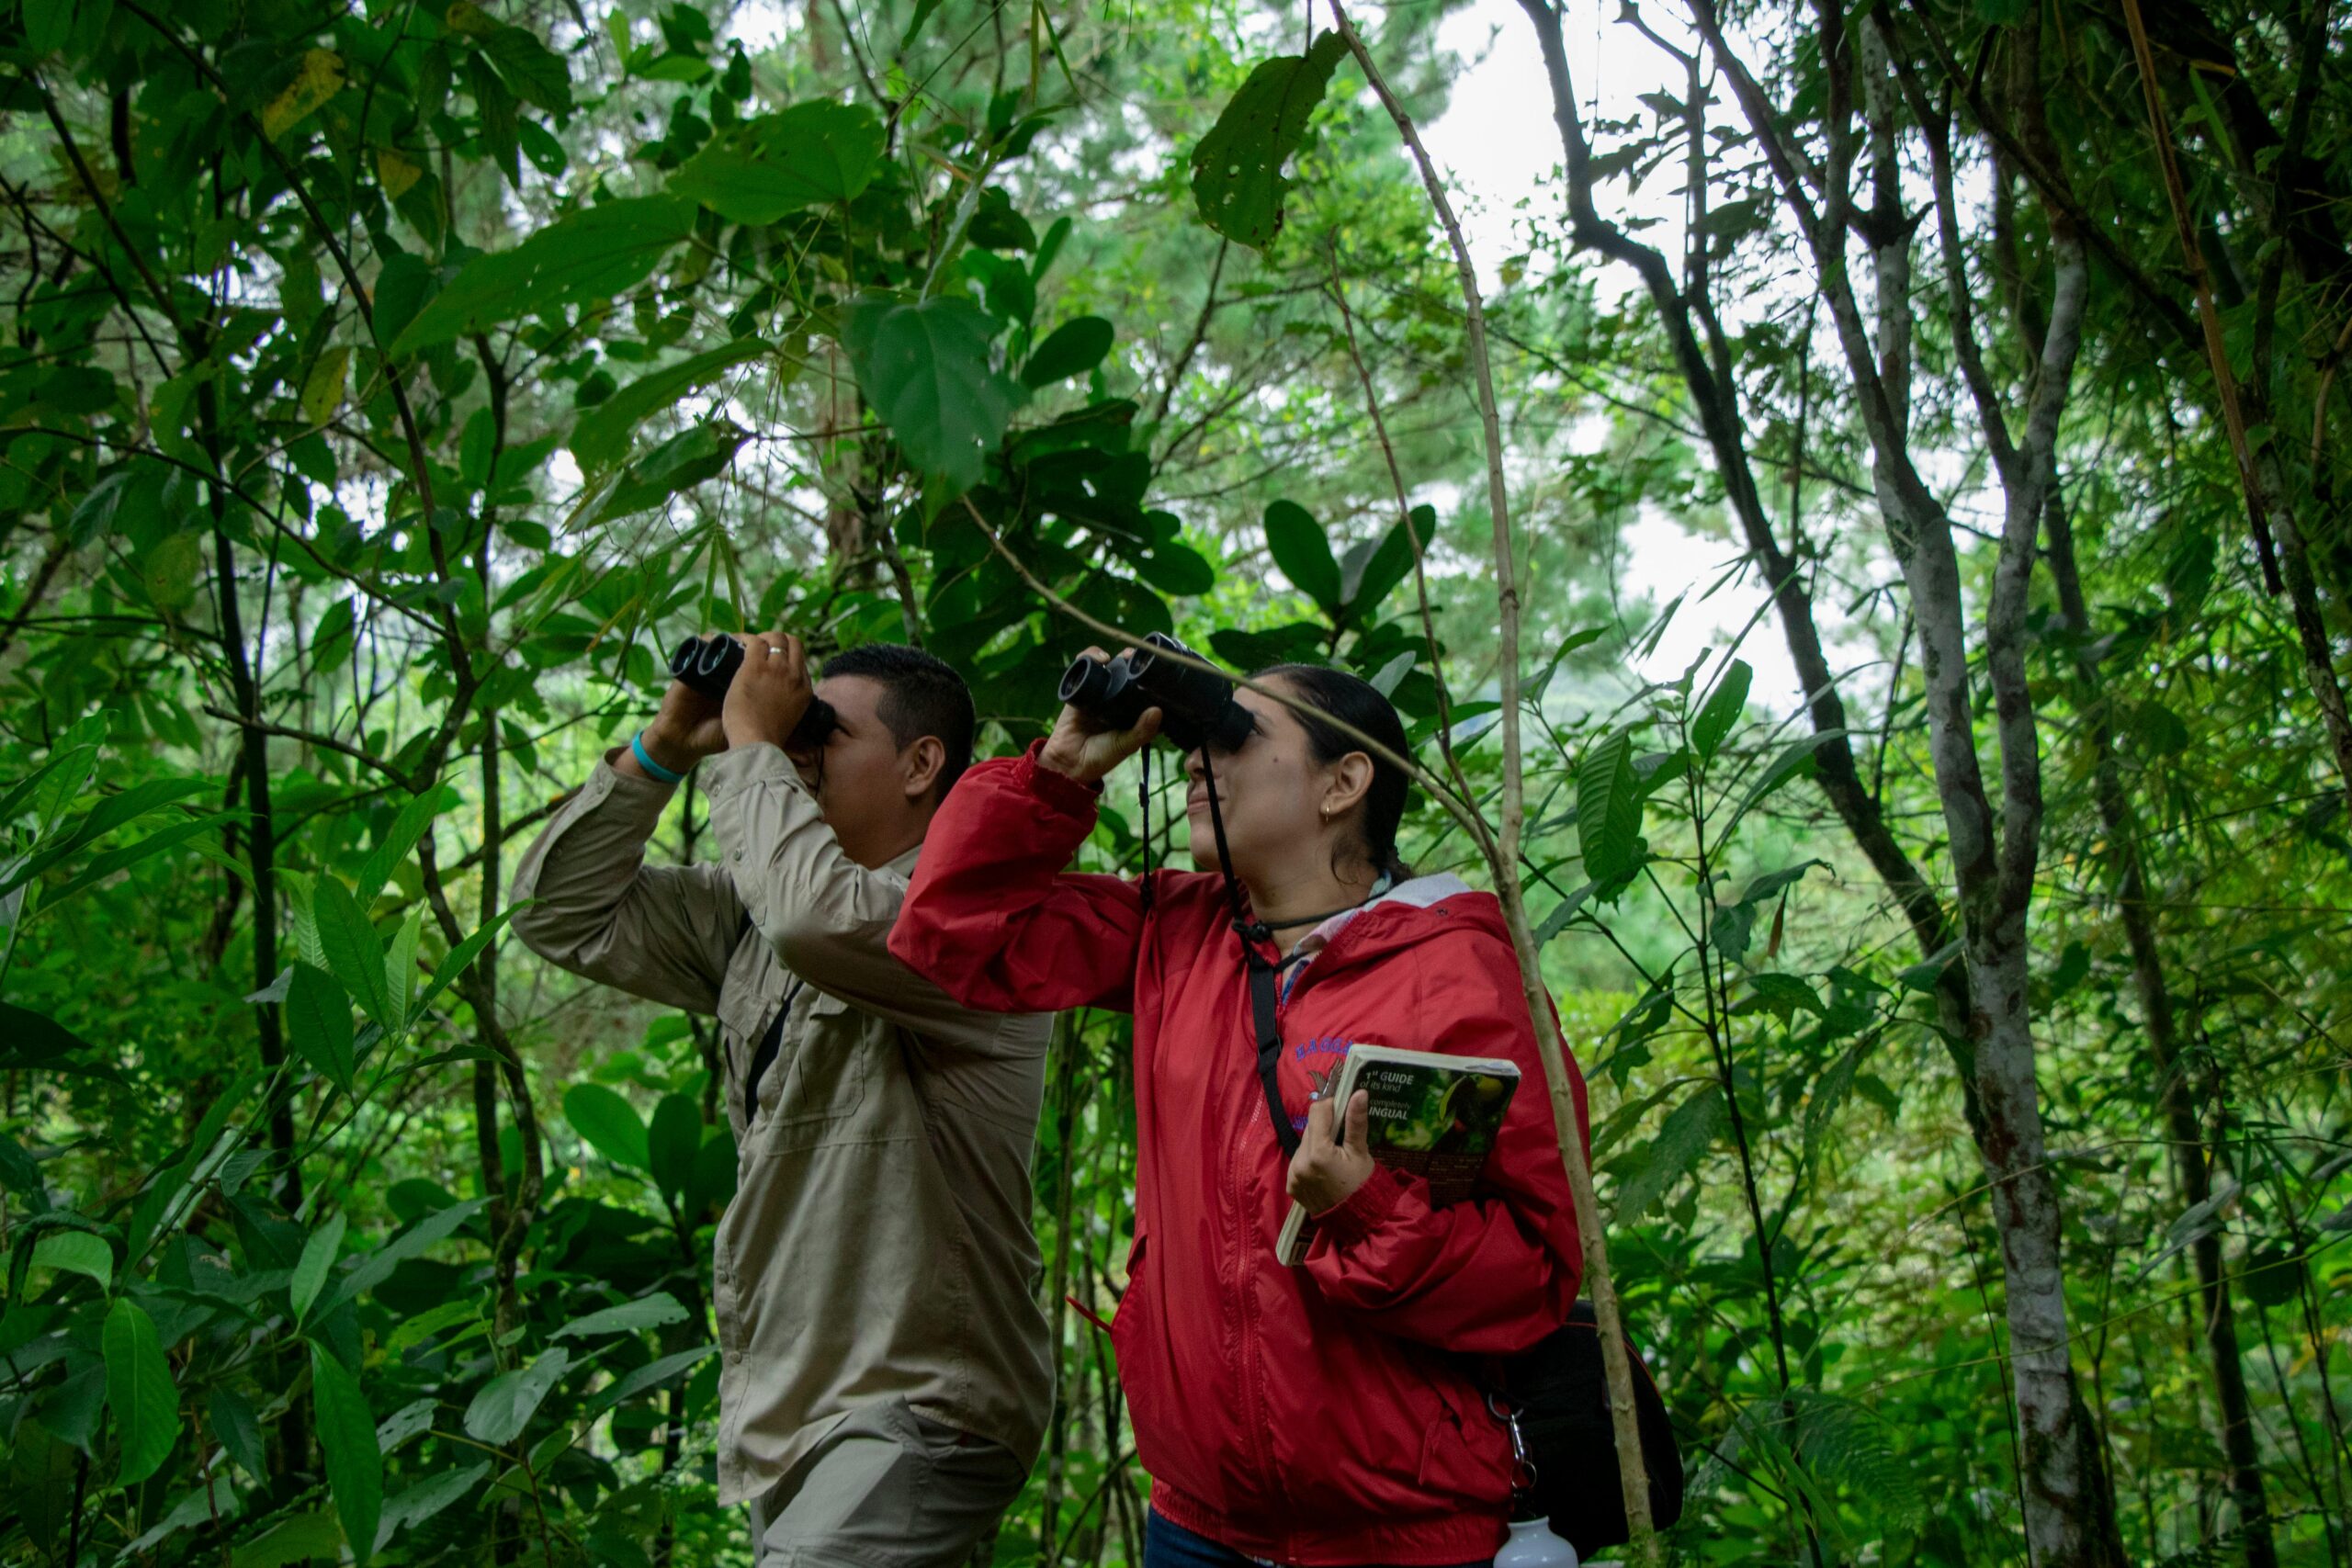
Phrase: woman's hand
x=1326 y=1172
x=770 y=692
x=1082 y=749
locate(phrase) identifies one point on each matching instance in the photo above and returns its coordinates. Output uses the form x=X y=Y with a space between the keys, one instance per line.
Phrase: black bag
x=1557 y=1392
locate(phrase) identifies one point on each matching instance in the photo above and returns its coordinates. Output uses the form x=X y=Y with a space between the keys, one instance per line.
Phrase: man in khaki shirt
x=886 y=1375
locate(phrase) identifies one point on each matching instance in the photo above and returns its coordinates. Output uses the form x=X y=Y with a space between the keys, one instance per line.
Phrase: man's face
x=861 y=780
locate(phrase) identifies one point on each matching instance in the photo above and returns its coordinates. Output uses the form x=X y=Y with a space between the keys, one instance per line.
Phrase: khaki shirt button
x=739 y=854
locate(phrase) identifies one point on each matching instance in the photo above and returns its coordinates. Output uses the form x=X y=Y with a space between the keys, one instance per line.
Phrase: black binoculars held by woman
x=1196 y=706
x=708 y=665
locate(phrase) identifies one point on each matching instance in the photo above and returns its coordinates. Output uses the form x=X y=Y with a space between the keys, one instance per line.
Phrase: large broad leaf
x=1238 y=179
x=925 y=370
x=1303 y=554
x=1372 y=570
x=507 y=1402
x=609 y=1123
x=764 y=168
x=601 y=438
x=77 y=1252
x=1609 y=810
x=1071 y=349
x=353 y=949
x=674 y=1139
x=318 y=1024
x=415 y=816
x=696 y=453
x=299 y=1539
x=33 y=1040
x=139 y=1391
x=355 y=1465
x=591 y=255
x=429 y=1497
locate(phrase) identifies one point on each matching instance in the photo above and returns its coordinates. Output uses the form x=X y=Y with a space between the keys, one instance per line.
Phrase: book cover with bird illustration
x=1431 y=1115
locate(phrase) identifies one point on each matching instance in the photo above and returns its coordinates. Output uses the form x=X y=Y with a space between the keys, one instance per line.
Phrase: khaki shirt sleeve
x=827 y=917
x=661 y=932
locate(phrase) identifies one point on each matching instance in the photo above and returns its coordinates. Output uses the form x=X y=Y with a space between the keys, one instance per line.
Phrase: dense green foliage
x=385 y=387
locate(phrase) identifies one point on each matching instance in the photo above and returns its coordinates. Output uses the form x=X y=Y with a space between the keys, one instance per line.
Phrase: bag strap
x=1270 y=1048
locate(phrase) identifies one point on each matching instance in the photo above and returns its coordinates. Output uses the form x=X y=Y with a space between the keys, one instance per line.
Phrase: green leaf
x=1686 y=1134
x=323 y=388
x=463 y=954
x=759 y=171
x=318 y=1024
x=416 y=817
x=1564 y=911
x=925 y=369
x=355 y=1466
x=311 y=1271
x=1238 y=180
x=1071 y=349
x=594 y=254
x=609 y=1123
x=377 y=1267
x=1784 y=995
x=139 y=1391
x=299 y=1539
x=48 y=24
x=1303 y=554
x=105 y=865
x=38 y=1041
x=352 y=948
x=239 y=1429
x=400 y=971
x=649 y=1376
x=432 y=1496
x=1795 y=759
x=670 y=1147
x=601 y=439
x=507 y=1402
x=1608 y=808
x=536 y=73
x=1372 y=571
x=500 y=123
x=698 y=453
x=76 y=1252
x=1723 y=710
x=648 y=1312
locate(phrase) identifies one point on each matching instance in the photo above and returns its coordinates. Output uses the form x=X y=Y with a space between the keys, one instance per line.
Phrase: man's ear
x=921 y=764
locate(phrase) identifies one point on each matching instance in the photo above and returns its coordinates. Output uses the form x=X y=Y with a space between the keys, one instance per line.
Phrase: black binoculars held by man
x=708 y=665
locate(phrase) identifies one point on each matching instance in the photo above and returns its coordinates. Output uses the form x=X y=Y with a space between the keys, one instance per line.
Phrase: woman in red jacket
x=1326 y=1415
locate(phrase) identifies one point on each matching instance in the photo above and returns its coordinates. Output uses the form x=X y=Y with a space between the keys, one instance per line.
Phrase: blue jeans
x=1166 y=1545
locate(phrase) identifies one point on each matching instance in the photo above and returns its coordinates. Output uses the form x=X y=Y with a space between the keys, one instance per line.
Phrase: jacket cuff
x=639 y=794
x=1362 y=1211
x=1058 y=790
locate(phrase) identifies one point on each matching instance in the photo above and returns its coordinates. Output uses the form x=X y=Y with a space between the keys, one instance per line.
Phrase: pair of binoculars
x=708 y=665
x=1196 y=706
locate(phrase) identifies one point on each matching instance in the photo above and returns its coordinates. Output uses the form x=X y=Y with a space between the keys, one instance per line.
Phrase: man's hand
x=1325 y=1173
x=770 y=692
x=1083 y=750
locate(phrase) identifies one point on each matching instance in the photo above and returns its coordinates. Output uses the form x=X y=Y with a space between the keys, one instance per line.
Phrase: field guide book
x=1431 y=1115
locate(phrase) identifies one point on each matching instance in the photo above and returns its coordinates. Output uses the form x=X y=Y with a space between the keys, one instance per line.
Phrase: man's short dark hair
x=920 y=696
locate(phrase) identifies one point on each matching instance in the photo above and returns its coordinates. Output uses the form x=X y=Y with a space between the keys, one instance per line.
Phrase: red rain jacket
x=1320 y=1415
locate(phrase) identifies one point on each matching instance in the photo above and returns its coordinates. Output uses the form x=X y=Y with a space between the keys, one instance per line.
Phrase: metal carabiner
x=1522 y=1462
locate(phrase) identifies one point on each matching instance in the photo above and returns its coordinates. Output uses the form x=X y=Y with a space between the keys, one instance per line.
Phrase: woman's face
x=1272 y=792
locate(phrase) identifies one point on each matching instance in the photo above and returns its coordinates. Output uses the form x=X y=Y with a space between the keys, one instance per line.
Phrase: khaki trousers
x=888 y=1488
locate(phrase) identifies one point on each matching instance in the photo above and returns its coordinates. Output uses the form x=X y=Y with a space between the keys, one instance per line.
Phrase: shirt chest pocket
x=816 y=1084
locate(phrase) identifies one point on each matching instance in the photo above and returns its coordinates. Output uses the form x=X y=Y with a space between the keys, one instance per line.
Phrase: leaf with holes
x=1238 y=180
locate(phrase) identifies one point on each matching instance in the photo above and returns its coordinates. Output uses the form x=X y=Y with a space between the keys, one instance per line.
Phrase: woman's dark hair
x=1354 y=700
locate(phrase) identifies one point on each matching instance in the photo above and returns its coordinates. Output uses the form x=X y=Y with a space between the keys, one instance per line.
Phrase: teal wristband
x=637 y=746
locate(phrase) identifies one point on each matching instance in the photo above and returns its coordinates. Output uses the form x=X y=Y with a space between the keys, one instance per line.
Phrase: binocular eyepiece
x=1196 y=707
x=708 y=665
